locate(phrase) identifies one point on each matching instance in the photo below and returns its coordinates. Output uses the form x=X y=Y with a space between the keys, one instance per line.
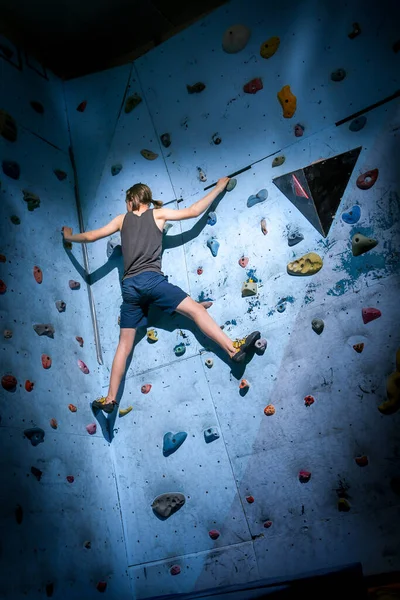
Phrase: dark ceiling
x=76 y=37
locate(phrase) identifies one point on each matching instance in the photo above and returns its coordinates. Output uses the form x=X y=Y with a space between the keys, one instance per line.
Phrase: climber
x=144 y=283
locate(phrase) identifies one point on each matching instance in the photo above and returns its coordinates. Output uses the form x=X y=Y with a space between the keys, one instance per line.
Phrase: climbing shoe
x=244 y=345
x=100 y=404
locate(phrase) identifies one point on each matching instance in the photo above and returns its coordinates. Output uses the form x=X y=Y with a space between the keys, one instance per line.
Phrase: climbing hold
x=243 y=261
x=3 y=287
x=269 y=47
x=212 y=218
x=148 y=154
x=29 y=385
x=180 y=349
x=361 y=461
x=101 y=586
x=83 y=367
x=359 y=347
x=36 y=473
x=366 y=180
x=37 y=106
x=81 y=107
x=53 y=423
x=15 y=220
x=72 y=407
x=267 y=524
x=308 y=400
x=214 y=534
x=79 y=340
x=281 y=307
x=35 y=435
x=167 y=504
x=91 y=428
x=338 y=75
x=343 y=505
x=260 y=346
x=317 y=326
x=115 y=169
x=213 y=244
x=132 y=102
x=352 y=216
x=145 y=388
x=370 y=314
x=288 y=102
x=304 y=476
x=70 y=478
x=202 y=175
x=19 y=514
x=355 y=31
x=231 y=184
x=358 y=124
x=173 y=441
x=396 y=46
x=235 y=38
x=298 y=130
x=61 y=175
x=46 y=361
x=244 y=384
x=392 y=404
x=9 y=383
x=32 y=200
x=44 y=329
x=269 y=410
x=199 y=270
x=249 y=288
x=216 y=139
x=278 y=161
x=261 y=196
x=167 y=227
x=38 y=274
x=361 y=244
x=196 y=88
x=11 y=169
x=211 y=434
x=7 y=334
x=175 y=570
x=165 y=140
x=8 y=126
x=152 y=336
x=264 y=226
x=60 y=305
x=309 y=264
x=124 y=411
x=74 y=285
x=49 y=589
x=87 y=545
x=2 y=258
x=250 y=499
x=209 y=362
x=253 y=86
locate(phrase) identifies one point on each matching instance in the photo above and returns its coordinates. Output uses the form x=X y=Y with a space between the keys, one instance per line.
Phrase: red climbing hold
x=79 y=340
x=244 y=384
x=74 y=285
x=145 y=388
x=3 y=287
x=304 y=476
x=72 y=407
x=61 y=175
x=370 y=314
x=214 y=534
x=366 y=180
x=101 y=586
x=46 y=361
x=253 y=86
x=91 y=428
x=37 y=273
x=243 y=261
x=200 y=271
x=267 y=524
x=81 y=107
x=250 y=499
x=175 y=570
x=308 y=400
x=359 y=347
x=269 y=410
x=29 y=385
x=9 y=382
x=70 y=478
x=53 y=423
x=2 y=258
x=83 y=367
x=361 y=461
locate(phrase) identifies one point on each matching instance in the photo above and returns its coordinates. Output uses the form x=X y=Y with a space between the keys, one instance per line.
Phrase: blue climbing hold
x=211 y=434
x=358 y=124
x=213 y=244
x=35 y=435
x=212 y=218
x=295 y=238
x=173 y=441
x=352 y=216
x=115 y=169
x=281 y=307
x=180 y=349
x=261 y=196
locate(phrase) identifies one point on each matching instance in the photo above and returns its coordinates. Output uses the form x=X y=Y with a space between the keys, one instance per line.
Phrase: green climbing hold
x=132 y=102
x=278 y=161
x=148 y=154
x=180 y=349
x=32 y=200
x=8 y=126
x=231 y=185
x=361 y=244
x=15 y=220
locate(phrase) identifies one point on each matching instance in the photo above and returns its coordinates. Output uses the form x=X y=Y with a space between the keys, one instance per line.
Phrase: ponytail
x=157 y=203
x=140 y=193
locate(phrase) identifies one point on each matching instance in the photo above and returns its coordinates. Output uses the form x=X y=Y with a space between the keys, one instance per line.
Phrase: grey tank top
x=141 y=242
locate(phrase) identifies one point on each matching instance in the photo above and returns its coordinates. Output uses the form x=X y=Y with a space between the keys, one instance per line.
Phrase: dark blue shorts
x=143 y=290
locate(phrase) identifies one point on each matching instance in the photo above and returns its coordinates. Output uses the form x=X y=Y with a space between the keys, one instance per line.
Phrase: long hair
x=140 y=193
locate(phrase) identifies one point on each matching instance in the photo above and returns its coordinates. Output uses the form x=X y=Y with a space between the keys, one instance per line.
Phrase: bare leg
x=189 y=308
x=125 y=345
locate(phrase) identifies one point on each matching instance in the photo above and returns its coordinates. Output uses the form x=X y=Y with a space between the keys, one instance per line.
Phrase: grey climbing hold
x=231 y=184
x=44 y=329
x=278 y=161
x=61 y=306
x=358 y=124
x=167 y=504
x=113 y=243
x=35 y=435
x=211 y=434
x=173 y=441
x=361 y=244
x=115 y=169
x=317 y=326
x=338 y=75
x=211 y=218
x=295 y=238
x=261 y=196
x=165 y=140
x=180 y=349
x=202 y=175
x=249 y=288
x=213 y=244
x=260 y=346
x=235 y=38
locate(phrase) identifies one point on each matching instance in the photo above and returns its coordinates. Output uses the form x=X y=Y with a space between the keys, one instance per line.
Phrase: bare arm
x=193 y=211
x=94 y=235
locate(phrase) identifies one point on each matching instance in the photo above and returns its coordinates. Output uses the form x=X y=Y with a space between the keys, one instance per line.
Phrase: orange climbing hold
x=244 y=384
x=9 y=382
x=53 y=423
x=81 y=107
x=79 y=340
x=361 y=461
x=145 y=388
x=29 y=385
x=72 y=407
x=269 y=47
x=288 y=102
x=37 y=273
x=3 y=287
x=46 y=361
x=2 y=258
x=269 y=410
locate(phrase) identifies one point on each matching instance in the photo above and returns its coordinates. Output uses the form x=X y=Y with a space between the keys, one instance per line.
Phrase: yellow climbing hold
x=152 y=335
x=288 y=102
x=392 y=404
x=269 y=47
x=309 y=264
x=238 y=343
x=148 y=154
x=124 y=411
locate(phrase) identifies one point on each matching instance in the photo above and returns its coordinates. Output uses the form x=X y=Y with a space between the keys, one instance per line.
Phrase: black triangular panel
x=316 y=190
